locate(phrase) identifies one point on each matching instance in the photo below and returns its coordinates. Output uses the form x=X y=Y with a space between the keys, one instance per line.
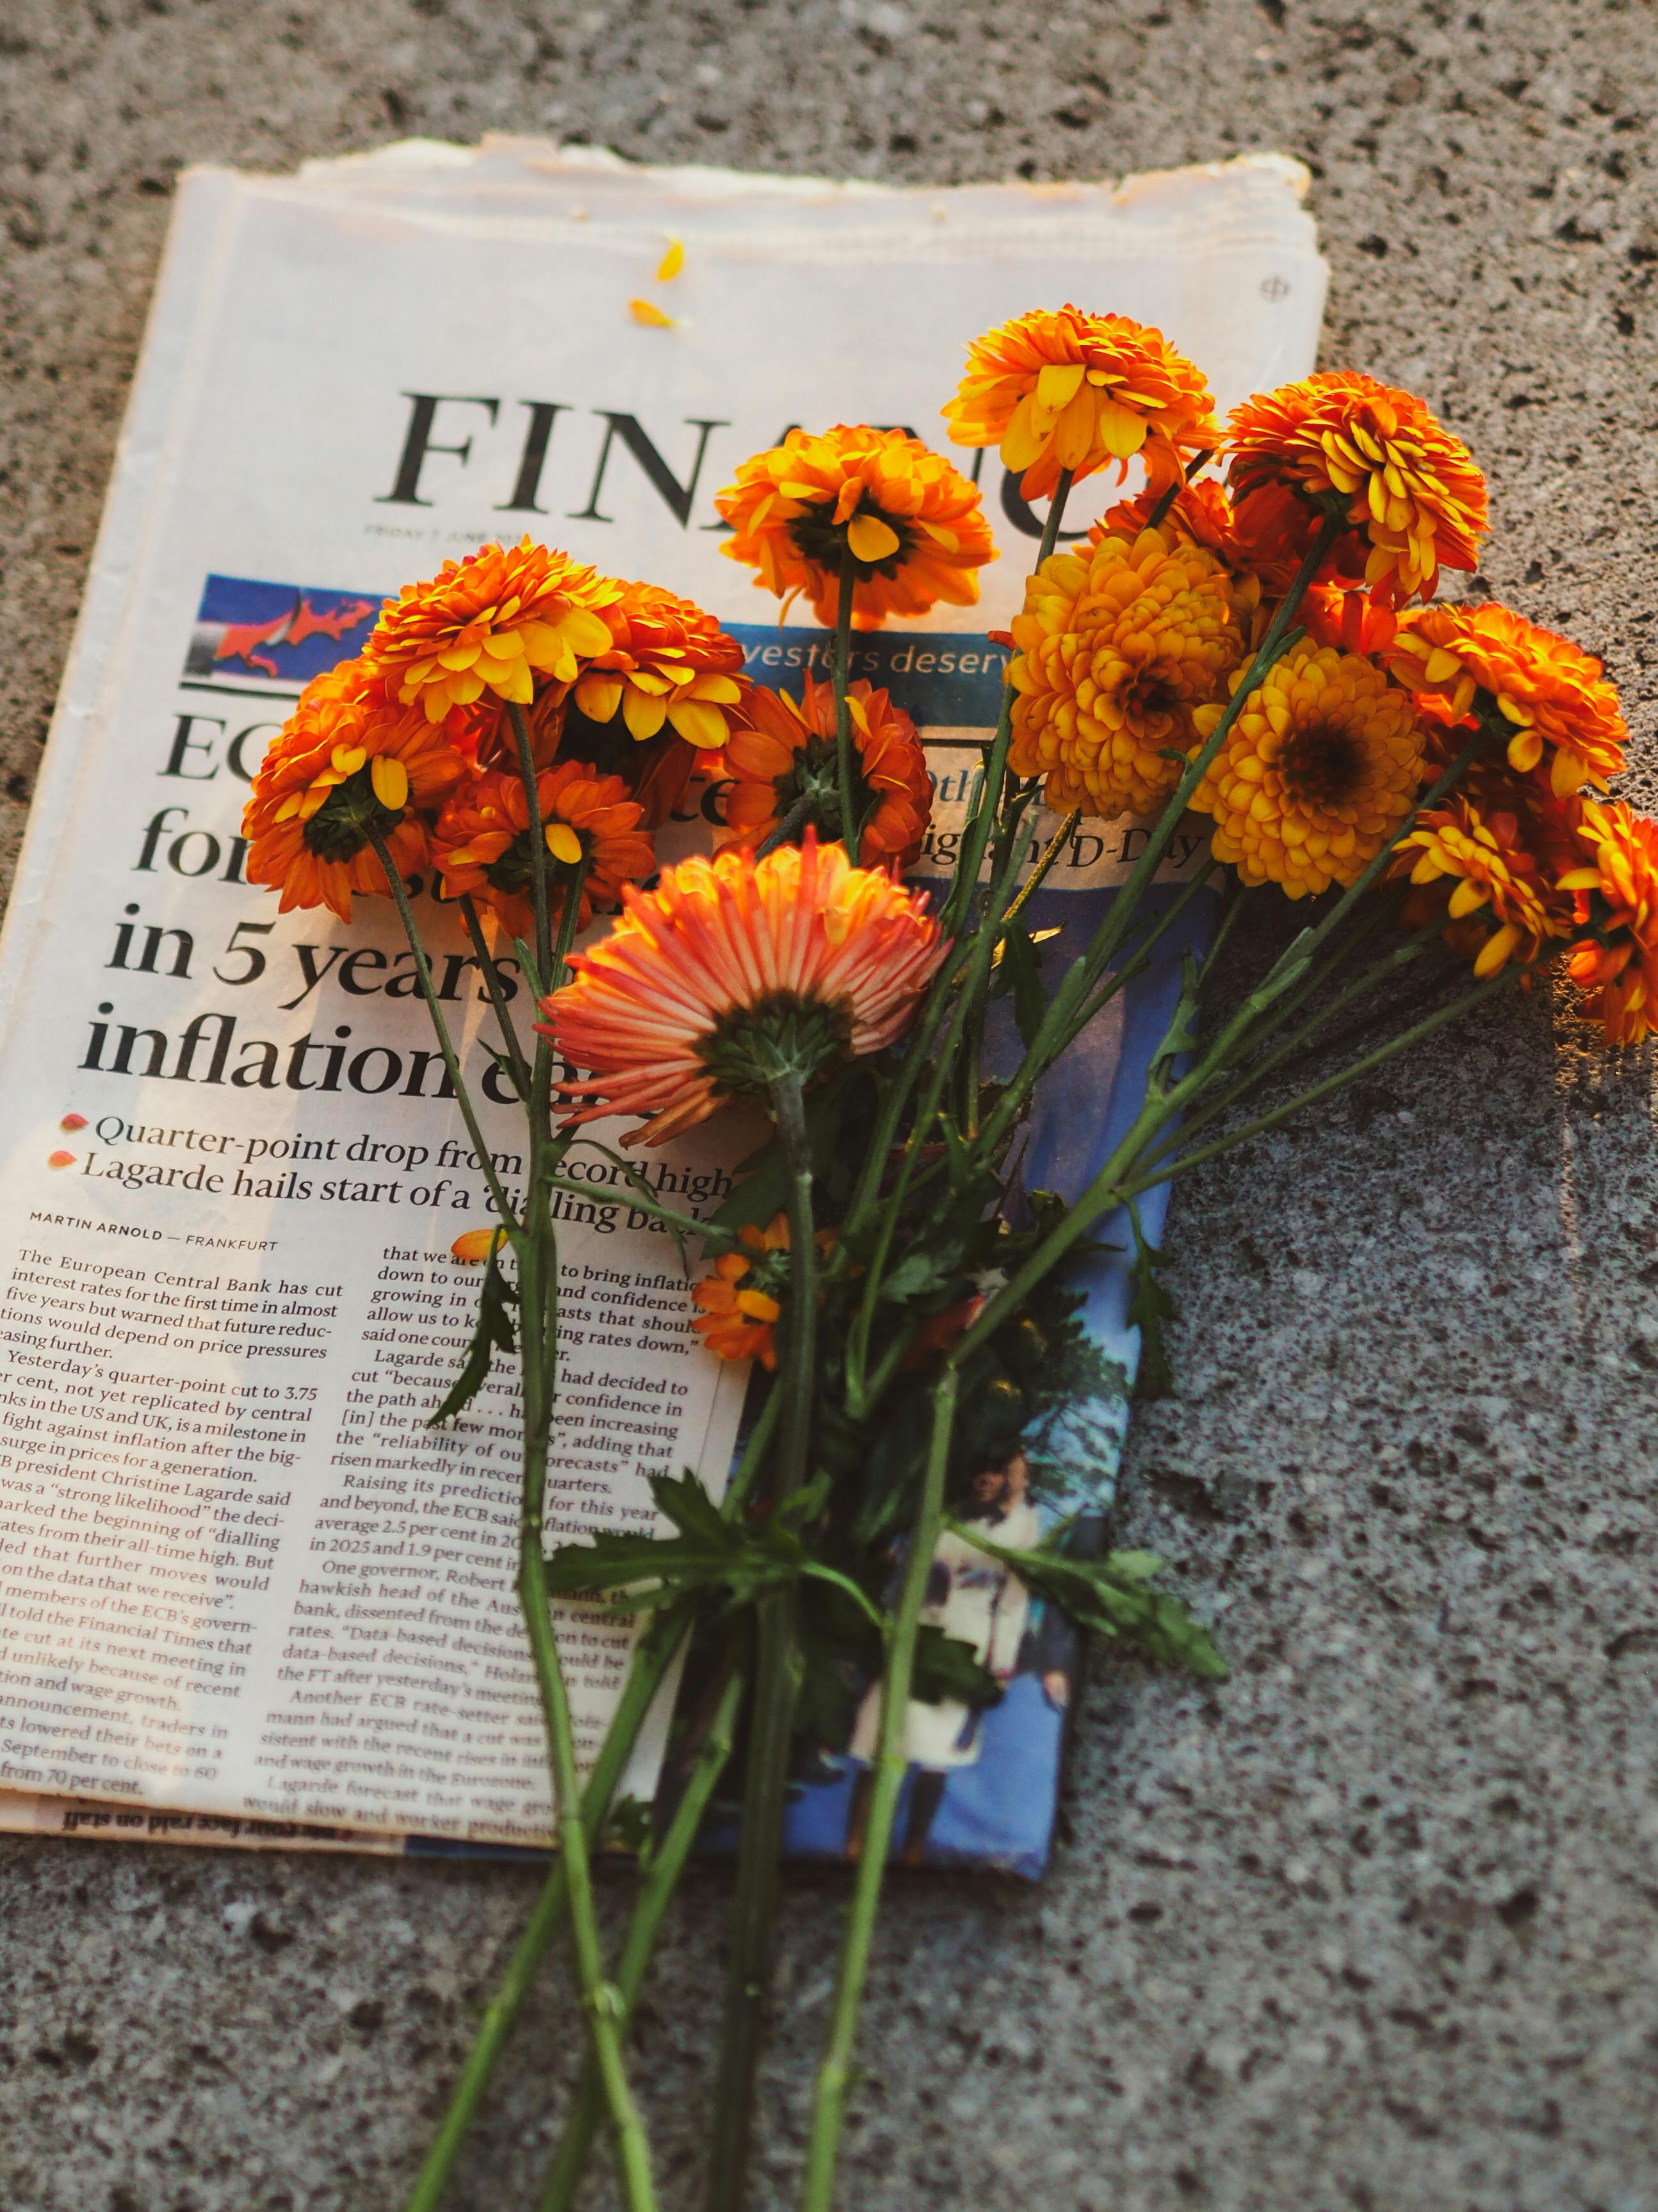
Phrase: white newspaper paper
x=246 y=1594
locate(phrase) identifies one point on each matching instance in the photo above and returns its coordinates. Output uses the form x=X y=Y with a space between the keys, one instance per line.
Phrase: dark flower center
x=1153 y=695
x=1323 y=765
x=340 y=826
x=512 y=870
x=822 y=541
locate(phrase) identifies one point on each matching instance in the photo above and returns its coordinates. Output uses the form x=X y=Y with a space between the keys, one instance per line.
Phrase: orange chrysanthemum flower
x=911 y=526
x=733 y=971
x=1555 y=694
x=1200 y=514
x=1078 y=392
x=346 y=763
x=784 y=768
x=1116 y=648
x=1318 y=771
x=669 y=664
x=492 y=623
x=1343 y=444
x=1476 y=868
x=1615 y=890
x=742 y=1298
x=482 y=847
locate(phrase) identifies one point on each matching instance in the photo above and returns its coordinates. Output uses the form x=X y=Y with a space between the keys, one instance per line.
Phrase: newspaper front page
x=246 y=1594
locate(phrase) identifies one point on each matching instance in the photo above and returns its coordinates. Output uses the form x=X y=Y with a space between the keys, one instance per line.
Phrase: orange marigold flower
x=1343 y=444
x=1615 y=890
x=1068 y=390
x=910 y=526
x=669 y=663
x=733 y=971
x=1500 y=905
x=492 y=623
x=345 y=764
x=1318 y=771
x=742 y=1298
x=1116 y=648
x=1555 y=694
x=482 y=846
x=784 y=768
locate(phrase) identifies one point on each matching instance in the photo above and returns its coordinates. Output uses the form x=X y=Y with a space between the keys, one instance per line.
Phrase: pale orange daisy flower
x=1062 y=389
x=346 y=761
x=492 y=623
x=732 y=970
x=911 y=524
x=1341 y=444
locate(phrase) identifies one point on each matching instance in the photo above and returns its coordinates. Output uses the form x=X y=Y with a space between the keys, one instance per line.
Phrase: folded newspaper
x=247 y=1596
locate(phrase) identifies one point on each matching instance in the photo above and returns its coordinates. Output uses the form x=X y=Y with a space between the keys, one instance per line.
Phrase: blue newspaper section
x=982 y=1787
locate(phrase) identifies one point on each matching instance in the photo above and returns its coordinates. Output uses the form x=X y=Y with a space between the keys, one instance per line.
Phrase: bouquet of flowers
x=1252 y=638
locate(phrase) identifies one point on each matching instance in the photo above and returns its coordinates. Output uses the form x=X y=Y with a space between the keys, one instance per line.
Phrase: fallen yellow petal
x=671 y=261
x=478 y=1244
x=645 y=311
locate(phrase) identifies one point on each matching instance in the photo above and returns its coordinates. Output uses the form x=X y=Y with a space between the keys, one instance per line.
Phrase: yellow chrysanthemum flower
x=1319 y=769
x=1118 y=644
x=492 y=623
x=1078 y=392
x=910 y=523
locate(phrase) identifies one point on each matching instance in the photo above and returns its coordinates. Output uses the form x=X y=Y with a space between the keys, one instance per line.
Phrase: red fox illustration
x=241 y=640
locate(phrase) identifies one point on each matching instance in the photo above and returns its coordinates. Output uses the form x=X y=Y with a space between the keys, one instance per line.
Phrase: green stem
x=1257 y=1072
x=1167 y=498
x=654 y=1655
x=599 y=1995
x=841 y=673
x=1043 y=868
x=835 y=2072
x=538 y=884
x=497 y=991
x=987 y=802
x=1458 y=1006
x=661 y=1880
x=771 y=1724
x=429 y=992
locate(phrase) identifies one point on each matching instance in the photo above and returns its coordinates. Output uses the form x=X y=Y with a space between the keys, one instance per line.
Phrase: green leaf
x=1150 y=1306
x=1113 y=1602
x=493 y=1333
x=946 y=1668
x=919 y=1272
x=1022 y=964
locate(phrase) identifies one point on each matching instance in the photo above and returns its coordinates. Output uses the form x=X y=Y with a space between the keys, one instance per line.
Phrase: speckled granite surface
x=1376 y=1926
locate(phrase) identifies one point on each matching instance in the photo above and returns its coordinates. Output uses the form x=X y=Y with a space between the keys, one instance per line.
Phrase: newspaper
x=246 y=1596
